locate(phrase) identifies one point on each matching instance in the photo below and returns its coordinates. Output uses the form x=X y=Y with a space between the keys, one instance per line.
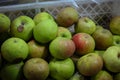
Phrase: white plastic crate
x=100 y=11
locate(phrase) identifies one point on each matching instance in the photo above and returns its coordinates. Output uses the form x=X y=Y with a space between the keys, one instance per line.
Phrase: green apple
x=42 y=16
x=116 y=40
x=45 y=31
x=116 y=76
x=84 y=43
x=62 y=48
x=85 y=25
x=89 y=64
x=36 y=69
x=61 y=69
x=103 y=38
x=14 y=49
x=111 y=58
x=100 y=52
x=37 y=50
x=102 y=75
x=22 y=27
x=114 y=25
x=67 y=16
x=4 y=23
x=12 y=71
x=64 y=32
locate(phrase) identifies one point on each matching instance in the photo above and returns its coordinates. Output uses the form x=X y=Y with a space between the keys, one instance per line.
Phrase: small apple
x=116 y=40
x=89 y=64
x=64 y=32
x=84 y=43
x=111 y=58
x=12 y=71
x=22 y=27
x=100 y=52
x=62 y=48
x=61 y=69
x=85 y=25
x=102 y=75
x=114 y=25
x=42 y=16
x=4 y=23
x=103 y=38
x=45 y=31
x=14 y=49
x=36 y=69
x=37 y=50
x=67 y=16
x=116 y=76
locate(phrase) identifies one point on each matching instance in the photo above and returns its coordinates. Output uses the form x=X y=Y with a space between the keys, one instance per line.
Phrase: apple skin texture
x=89 y=64
x=85 y=25
x=14 y=49
x=45 y=31
x=115 y=25
x=84 y=43
x=111 y=58
x=61 y=69
x=116 y=40
x=62 y=48
x=4 y=23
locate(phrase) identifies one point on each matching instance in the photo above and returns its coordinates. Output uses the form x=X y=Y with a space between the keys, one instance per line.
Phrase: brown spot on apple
x=21 y=27
x=119 y=55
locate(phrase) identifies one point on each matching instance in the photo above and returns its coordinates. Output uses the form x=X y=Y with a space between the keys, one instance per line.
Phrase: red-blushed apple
x=37 y=50
x=62 y=48
x=64 y=32
x=84 y=43
x=90 y=64
x=103 y=38
x=61 y=69
x=85 y=25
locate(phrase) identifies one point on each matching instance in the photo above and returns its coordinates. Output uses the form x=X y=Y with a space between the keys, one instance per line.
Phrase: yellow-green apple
x=42 y=16
x=100 y=52
x=67 y=16
x=85 y=25
x=114 y=25
x=89 y=64
x=12 y=71
x=22 y=27
x=111 y=59
x=45 y=31
x=62 y=48
x=84 y=43
x=116 y=40
x=116 y=76
x=37 y=50
x=14 y=49
x=103 y=38
x=4 y=23
x=61 y=69
x=77 y=76
x=64 y=32
x=36 y=69
x=102 y=75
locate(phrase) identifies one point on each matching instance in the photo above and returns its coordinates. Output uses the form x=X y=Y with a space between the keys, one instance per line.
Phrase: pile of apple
x=43 y=47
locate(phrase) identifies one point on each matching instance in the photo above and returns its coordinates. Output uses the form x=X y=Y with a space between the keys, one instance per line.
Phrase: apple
x=111 y=59
x=14 y=49
x=22 y=27
x=64 y=32
x=114 y=25
x=45 y=31
x=116 y=76
x=77 y=76
x=103 y=38
x=116 y=40
x=42 y=16
x=100 y=52
x=37 y=49
x=67 y=16
x=36 y=69
x=4 y=23
x=61 y=69
x=12 y=71
x=62 y=48
x=84 y=43
x=89 y=64
x=85 y=25
x=102 y=75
